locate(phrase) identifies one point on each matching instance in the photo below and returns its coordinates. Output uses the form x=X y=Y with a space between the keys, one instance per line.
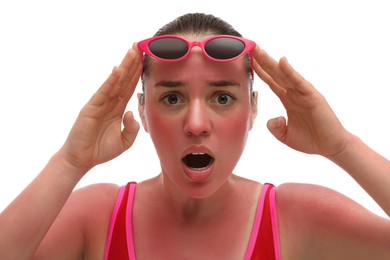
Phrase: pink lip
x=197 y=149
x=198 y=175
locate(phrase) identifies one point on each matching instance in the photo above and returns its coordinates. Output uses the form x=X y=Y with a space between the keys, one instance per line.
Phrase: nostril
x=192 y=133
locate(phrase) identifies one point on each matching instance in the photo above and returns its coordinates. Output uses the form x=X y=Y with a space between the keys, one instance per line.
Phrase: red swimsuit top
x=263 y=243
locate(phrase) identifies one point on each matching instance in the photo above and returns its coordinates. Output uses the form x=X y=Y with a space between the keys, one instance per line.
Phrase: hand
x=312 y=126
x=97 y=135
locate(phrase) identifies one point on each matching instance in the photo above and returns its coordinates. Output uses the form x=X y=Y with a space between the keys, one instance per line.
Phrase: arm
x=313 y=128
x=335 y=227
x=96 y=137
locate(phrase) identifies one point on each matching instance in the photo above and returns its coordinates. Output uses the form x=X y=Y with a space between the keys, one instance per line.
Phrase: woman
x=198 y=106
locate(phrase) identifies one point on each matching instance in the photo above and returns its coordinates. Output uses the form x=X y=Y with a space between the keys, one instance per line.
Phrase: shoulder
x=84 y=203
x=93 y=203
x=102 y=192
x=314 y=204
x=317 y=205
x=81 y=225
x=313 y=219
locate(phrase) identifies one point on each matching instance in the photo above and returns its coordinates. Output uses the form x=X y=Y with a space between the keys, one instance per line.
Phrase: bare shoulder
x=316 y=222
x=80 y=228
x=96 y=203
x=100 y=193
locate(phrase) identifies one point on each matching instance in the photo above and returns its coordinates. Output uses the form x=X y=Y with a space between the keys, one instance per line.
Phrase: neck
x=187 y=208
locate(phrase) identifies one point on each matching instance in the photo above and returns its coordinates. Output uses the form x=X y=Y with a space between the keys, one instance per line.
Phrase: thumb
x=277 y=127
x=130 y=130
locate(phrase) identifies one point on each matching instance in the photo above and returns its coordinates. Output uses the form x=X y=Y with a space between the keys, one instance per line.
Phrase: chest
x=240 y=234
x=217 y=239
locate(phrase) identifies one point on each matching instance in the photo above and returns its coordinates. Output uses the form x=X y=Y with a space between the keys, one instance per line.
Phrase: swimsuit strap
x=117 y=240
x=264 y=240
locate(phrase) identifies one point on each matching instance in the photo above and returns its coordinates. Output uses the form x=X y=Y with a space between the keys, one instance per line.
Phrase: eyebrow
x=223 y=83
x=178 y=83
x=170 y=83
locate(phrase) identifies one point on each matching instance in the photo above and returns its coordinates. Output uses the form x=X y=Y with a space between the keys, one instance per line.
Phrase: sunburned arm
x=26 y=220
x=102 y=131
x=368 y=168
x=49 y=221
x=312 y=127
x=330 y=225
x=319 y=223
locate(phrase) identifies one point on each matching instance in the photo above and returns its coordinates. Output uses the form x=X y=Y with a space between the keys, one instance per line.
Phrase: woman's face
x=198 y=113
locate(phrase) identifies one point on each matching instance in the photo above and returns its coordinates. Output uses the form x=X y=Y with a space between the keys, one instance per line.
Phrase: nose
x=197 y=120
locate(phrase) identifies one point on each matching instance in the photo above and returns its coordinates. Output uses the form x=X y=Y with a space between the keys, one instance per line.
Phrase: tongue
x=197 y=160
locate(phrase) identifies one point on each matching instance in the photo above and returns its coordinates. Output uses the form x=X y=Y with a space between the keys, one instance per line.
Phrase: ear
x=254 y=96
x=141 y=109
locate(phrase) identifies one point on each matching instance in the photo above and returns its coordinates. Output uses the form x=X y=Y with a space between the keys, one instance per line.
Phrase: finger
x=274 y=69
x=134 y=74
x=279 y=91
x=128 y=89
x=129 y=68
x=101 y=94
x=267 y=63
x=263 y=75
x=137 y=50
x=294 y=77
x=277 y=127
x=130 y=130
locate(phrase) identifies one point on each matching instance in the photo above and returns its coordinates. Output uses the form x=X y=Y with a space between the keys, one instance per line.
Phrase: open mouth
x=198 y=161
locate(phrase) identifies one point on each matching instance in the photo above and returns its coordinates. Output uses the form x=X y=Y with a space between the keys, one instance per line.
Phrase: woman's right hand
x=97 y=135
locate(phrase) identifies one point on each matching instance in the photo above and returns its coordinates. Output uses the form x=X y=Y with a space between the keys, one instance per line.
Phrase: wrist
x=66 y=168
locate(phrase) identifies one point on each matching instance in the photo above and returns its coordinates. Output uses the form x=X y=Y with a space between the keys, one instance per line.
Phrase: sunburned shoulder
x=315 y=202
x=314 y=219
x=98 y=190
x=81 y=227
x=95 y=198
x=93 y=204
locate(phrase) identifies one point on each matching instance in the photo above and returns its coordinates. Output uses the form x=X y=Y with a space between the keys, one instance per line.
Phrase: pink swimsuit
x=263 y=243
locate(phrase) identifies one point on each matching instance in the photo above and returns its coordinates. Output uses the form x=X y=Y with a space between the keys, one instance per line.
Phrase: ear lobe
x=141 y=108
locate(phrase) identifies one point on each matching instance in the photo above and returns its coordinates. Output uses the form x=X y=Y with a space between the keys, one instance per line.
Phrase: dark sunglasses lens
x=224 y=48
x=168 y=48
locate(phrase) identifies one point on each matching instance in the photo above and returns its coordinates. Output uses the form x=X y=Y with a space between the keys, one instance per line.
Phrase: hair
x=197 y=24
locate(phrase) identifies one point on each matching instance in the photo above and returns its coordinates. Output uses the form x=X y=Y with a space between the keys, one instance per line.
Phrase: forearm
x=27 y=219
x=368 y=168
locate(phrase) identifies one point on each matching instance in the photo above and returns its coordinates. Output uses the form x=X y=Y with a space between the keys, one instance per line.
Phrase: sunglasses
x=221 y=48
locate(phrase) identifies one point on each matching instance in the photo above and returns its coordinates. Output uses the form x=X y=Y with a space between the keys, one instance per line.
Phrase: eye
x=223 y=99
x=171 y=99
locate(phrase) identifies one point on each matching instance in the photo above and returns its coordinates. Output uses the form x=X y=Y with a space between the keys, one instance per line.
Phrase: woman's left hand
x=311 y=125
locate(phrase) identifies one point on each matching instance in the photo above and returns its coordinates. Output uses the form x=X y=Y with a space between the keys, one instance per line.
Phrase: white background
x=55 y=54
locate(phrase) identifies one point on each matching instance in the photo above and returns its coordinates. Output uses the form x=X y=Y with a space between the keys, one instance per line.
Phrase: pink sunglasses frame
x=144 y=46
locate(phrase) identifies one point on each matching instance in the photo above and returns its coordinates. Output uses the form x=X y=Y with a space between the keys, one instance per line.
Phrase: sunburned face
x=198 y=113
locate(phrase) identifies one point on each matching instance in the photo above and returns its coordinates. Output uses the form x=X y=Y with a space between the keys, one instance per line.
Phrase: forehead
x=197 y=67
x=197 y=36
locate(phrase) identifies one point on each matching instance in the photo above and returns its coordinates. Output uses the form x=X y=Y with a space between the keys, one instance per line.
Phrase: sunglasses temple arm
x=142 y=64
x=252 y=70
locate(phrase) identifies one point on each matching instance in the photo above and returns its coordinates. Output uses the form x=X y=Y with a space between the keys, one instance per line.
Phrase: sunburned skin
x=198 y=114
x=189 y=103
